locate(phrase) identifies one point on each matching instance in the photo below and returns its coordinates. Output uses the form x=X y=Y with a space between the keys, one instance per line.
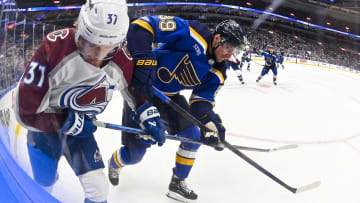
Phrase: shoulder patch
x=58 y=33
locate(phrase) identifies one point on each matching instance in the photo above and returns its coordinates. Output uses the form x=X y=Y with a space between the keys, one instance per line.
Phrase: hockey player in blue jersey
x=270 y=60
x=246 y=57
x=280 y=60
x=191 y=57
x=234 y=64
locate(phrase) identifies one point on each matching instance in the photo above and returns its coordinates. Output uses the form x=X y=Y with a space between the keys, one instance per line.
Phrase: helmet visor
x=234 y=49
x=95 y=52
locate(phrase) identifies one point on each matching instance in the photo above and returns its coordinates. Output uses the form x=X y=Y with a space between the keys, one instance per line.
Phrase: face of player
x=222 y=51
x=92 y=51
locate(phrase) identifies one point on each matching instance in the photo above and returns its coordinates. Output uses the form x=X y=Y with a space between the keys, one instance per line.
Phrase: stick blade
x=307 y=187
x=291 y=146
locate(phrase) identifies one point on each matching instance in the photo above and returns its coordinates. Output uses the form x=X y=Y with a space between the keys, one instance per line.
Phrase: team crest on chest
x=87 y=98
x=184 y=73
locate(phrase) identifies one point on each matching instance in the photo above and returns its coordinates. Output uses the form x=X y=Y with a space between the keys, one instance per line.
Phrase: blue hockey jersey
x=183 y=60
x=270 y=59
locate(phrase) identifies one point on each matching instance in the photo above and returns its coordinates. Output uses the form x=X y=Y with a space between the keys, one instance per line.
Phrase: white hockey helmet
x=103 y=22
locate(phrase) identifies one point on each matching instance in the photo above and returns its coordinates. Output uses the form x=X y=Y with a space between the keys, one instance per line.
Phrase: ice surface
x=314 y=107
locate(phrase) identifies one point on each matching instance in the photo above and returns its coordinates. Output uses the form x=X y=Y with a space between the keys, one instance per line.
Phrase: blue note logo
x=184 y=73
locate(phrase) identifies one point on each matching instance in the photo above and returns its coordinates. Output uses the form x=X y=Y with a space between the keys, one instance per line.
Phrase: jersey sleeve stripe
x=198 y=38
x=203 y=100
x=218 y=74
x=145 y=25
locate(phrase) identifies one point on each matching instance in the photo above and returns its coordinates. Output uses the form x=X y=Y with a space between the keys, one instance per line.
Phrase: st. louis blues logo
x=184 y=73
x=91 y=99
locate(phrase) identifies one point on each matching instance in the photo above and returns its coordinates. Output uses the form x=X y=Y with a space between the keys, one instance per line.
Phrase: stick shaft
x=292 y=146
x=260 y=168
x=180 y=110
x=141 y=131
x=192 y=119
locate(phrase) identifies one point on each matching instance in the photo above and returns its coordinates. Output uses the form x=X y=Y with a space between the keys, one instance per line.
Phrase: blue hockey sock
x=185 y=156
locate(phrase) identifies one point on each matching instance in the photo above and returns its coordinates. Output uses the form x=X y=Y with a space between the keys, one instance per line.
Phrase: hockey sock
x=185 y=156
x=184 y=161
x=114 y=161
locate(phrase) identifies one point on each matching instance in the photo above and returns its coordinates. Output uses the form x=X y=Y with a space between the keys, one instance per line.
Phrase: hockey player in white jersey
x=246 y=57
x=69 y=80
x=235 y=64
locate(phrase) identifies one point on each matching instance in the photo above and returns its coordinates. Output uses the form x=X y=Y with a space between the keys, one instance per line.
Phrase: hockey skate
x=241 y=81
x=113 y=174
x=179 y=191
x=257 y=80
x=275 y=83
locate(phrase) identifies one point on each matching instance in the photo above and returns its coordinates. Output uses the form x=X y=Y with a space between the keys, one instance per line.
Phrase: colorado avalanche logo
x=59 y=33
x=91 y=99
x=97 y=156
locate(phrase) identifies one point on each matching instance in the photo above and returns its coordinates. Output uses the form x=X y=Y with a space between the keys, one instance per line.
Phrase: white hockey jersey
x=58 y=78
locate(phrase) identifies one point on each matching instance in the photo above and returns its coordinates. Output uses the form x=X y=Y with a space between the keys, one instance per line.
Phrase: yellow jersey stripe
x=146 y=26
x=197 y=100
x=198 y=38
x=184 y=161
x=218 y=73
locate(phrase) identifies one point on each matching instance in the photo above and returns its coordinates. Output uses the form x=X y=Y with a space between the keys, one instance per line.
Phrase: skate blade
x=177 y=197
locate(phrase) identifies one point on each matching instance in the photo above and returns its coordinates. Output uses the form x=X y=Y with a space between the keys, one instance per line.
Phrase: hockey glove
x=78 y=125
x=148 y=117
x=202 y=110
x=144 y=74
x=214 y=138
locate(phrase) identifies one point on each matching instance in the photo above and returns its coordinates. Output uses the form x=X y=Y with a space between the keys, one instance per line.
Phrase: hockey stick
x=292 y=146
x=192 y=119
x=141 y=131
x=182 y=139
x=179 y=109
x=257 y=63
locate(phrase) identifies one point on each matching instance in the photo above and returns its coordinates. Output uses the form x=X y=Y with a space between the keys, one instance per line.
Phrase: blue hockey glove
x=148 y=117
x=78 y=125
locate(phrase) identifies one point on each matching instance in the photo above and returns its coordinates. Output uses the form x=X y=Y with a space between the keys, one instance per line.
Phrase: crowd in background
x=15 y=54
x=302 y=47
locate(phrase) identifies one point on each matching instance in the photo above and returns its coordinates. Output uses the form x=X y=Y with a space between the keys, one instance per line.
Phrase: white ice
x=317 y=108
